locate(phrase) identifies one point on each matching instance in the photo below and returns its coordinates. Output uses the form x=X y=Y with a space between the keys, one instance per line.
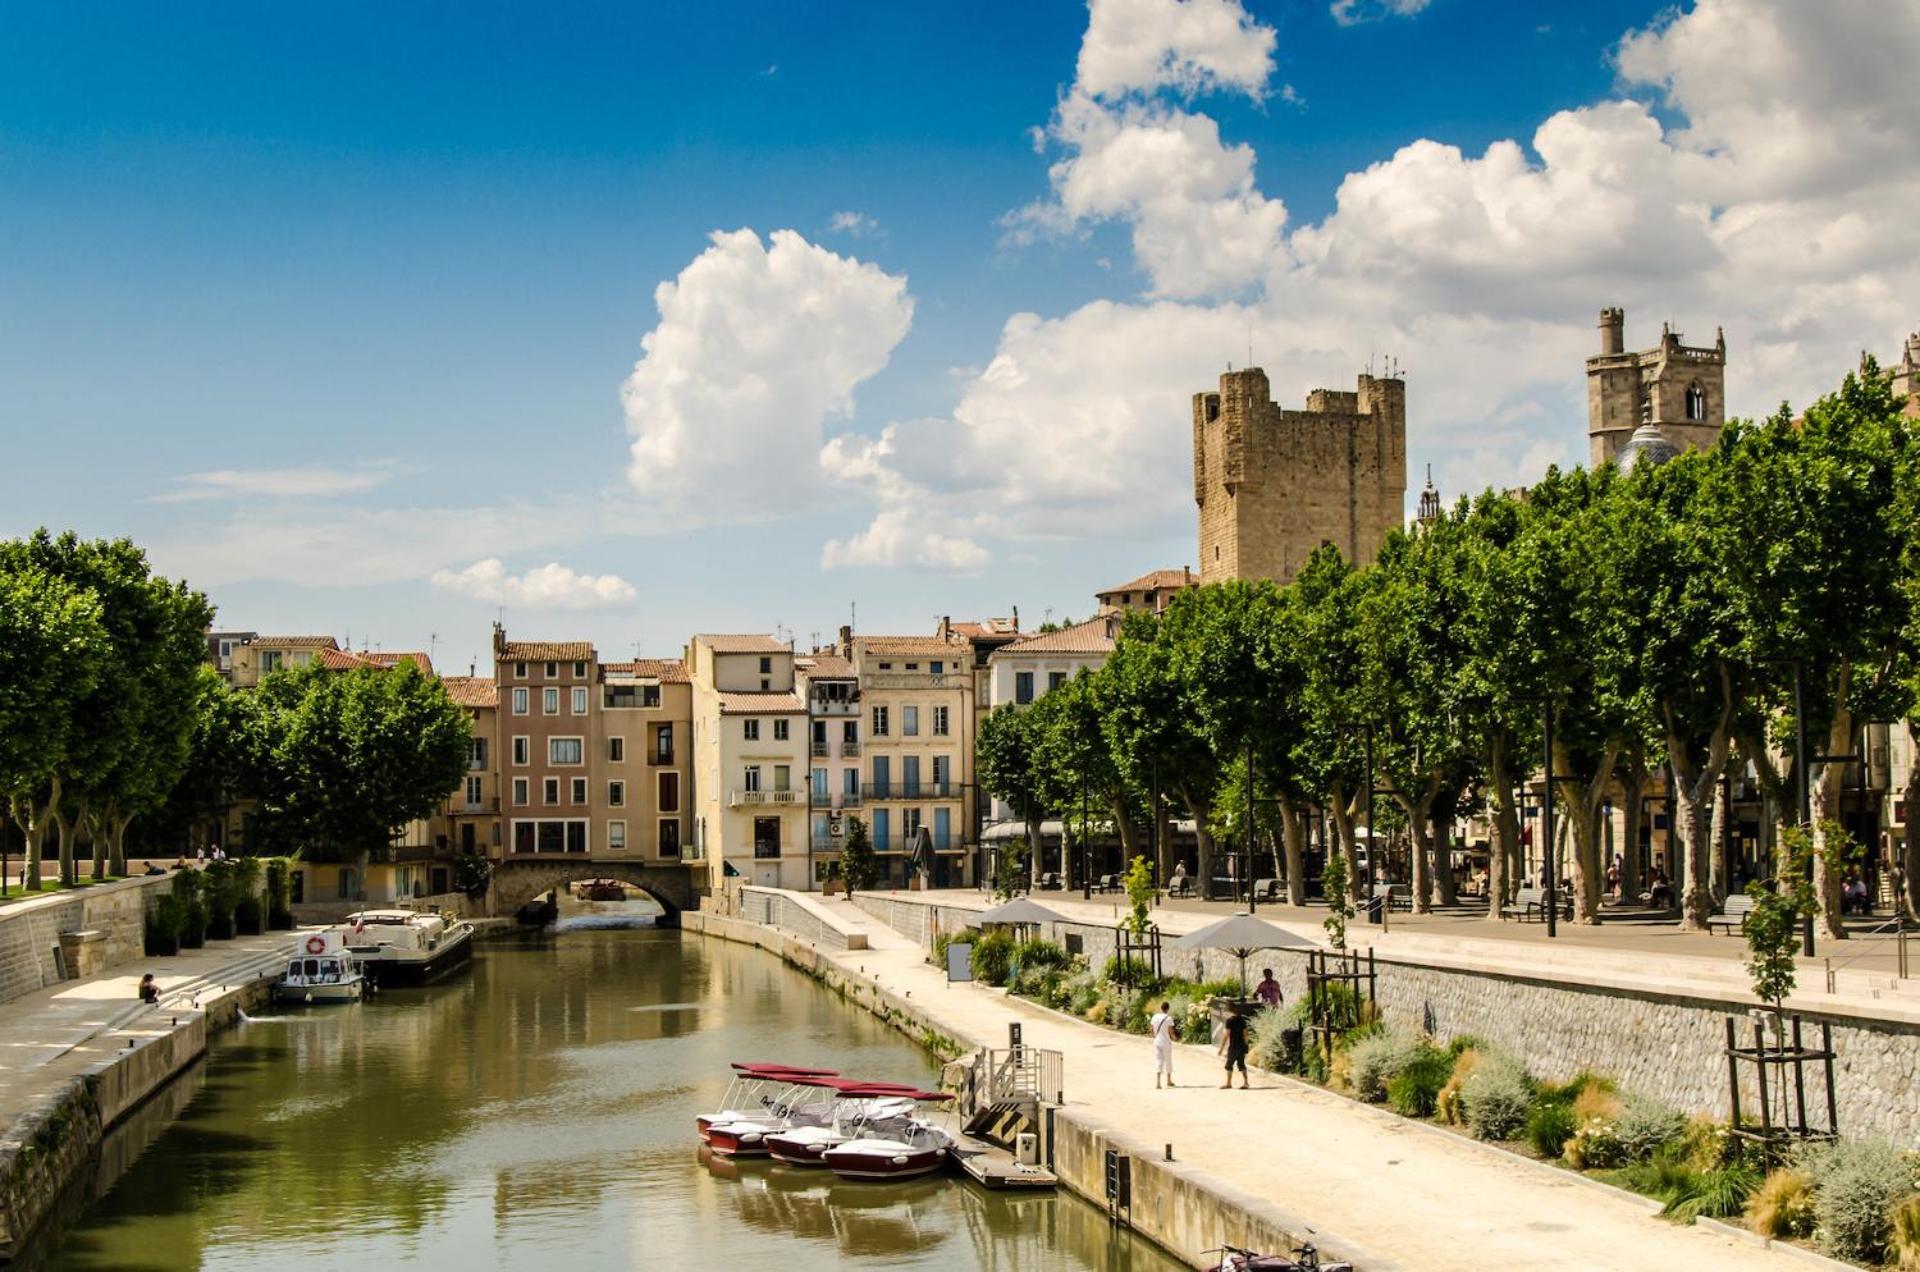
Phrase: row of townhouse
x=741 y=759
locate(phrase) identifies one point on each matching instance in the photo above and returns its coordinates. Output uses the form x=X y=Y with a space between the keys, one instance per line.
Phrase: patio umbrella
x=1020 y=911
x=1240 y=935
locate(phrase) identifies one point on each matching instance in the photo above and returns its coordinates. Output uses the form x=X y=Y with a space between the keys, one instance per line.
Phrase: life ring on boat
x=316 y=945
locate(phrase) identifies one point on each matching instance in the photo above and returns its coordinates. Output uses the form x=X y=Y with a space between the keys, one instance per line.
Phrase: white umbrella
x=1020 y=911
x=1240 y=935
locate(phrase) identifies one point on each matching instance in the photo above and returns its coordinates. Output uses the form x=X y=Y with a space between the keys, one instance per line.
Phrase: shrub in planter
x=247 y=917
x=1136 y=972
x=1448 y=1106
x=1855 y=1187
x=992 y=958
x=219 y=894
x=1495 y=1098
x=1783 y=1204
x=1644 y=1126
x=185 y=891
x=1038 y=956
x=1415 y=1090
x=1904 y=1243
x=163 y=926
x=1719 y=1193
x=1549 y=1126
x=1375 y=1060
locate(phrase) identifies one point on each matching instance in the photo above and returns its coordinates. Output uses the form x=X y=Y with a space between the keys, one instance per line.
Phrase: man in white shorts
x=1162 y=1029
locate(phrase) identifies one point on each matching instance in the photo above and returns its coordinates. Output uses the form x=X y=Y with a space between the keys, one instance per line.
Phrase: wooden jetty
x=991 y=1166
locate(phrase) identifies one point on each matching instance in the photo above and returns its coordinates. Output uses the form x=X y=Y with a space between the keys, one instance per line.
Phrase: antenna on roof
x=433 y=643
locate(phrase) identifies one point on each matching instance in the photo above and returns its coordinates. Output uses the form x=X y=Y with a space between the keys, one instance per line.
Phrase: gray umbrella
x=1021 y=912
x=1240 y=935
x=920 y=856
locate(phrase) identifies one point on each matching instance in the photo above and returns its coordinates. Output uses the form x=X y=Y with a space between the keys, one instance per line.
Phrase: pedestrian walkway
x=1410 y=1192
x=1647 y=956
x=52 y=1034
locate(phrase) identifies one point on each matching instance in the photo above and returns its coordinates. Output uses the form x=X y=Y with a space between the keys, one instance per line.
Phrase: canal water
x=538 y=1113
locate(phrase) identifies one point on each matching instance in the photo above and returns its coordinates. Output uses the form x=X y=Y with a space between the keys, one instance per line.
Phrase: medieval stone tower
x=1678 y=389
x=1275 y=484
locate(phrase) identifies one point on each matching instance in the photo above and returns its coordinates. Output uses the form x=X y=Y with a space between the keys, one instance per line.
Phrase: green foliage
x=278 y=892
x=1856 y=1185
x=1903 y=1239
x=1140 y=891
x=858 y=867
x=1010 y=871
x=1039 y=955
x=352 y=756
x=1644 y=1126
x=1495 y=1098
x=1136 y=972
x=1339 y=906
x=992 y=957
x=1268 y=1042
x=937 y=952
x=1549 y=1127
x=1783 y=1205
x=220 y=891
x=1375 y=1060
x=472 y=874
x=1415 y=1090
x=1718 y=1193
x=1772 y=927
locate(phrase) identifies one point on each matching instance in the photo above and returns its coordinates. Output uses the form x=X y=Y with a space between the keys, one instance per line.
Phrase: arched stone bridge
x=518 y=880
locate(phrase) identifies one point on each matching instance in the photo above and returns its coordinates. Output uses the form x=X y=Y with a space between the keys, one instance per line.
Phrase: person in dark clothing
x=1233 y=1045
x=149 y=989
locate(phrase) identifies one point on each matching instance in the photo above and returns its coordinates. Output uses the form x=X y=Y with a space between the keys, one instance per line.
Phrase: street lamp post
x=1375 y=913
x=1253 y=895
x=1086 y=848
x=1546 y=818
x=1806 y=794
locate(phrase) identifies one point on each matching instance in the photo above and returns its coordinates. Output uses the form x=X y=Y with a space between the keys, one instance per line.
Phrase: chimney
x=846 y=641
x=946 y=627
x=1016 y=618
x=1613 y=330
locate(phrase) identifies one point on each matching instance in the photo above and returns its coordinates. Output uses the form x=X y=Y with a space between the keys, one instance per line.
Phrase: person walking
x=1268 y=990
x=1162 y=1028
x=1233 y=1044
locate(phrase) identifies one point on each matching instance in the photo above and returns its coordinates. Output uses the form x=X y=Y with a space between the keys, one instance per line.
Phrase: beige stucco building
x=1151 y=593
x=916 y=703
x=750 y=761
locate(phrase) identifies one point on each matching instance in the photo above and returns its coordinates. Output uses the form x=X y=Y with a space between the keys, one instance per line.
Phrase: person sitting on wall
x=1660 y=889
x=149 y=990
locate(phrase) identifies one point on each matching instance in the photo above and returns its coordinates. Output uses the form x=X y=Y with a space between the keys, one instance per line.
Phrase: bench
x=1266 y=889
x=1733 y=913
x=1050 y=881
x=1530 y=904
x=1180 y=886
x=1394 y=896
x=1107 y=883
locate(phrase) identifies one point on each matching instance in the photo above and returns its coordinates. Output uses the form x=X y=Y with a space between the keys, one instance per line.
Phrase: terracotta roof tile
x=1095 y=636
x=382 y=659
x=761 y=704
x=668 y=671
x=741 y=643
x=826 y=666
x=546 y=650
x=907 y=647
x=297 y=642
x=1154 y=581
x=997 y=629
x=340 y=660
x=471 y=691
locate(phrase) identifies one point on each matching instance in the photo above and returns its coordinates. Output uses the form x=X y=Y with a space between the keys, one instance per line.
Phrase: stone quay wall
x=30 y=930
x=793 y=913
x=1670 y=1046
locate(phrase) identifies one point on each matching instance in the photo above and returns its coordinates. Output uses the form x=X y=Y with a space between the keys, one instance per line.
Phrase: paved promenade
x=50 y=1035
x=1416 y=1195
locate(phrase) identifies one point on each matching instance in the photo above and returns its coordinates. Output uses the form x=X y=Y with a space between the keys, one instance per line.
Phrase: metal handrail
x=1899 y=925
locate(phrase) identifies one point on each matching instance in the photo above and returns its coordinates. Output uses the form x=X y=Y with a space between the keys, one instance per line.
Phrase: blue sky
x=322 y=301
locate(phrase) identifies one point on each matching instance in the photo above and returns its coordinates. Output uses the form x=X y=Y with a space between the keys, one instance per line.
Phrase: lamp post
x=1086 y=848
x=1375 y=913
x=1546 y=818
x=1253 y=896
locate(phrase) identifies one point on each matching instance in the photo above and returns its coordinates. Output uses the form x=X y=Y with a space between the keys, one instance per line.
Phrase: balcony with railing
x=660 y=756
x=745 y=798
x=913 y=680
x=824 y=705
x=821 y=750
x=904 y=789
x=828 y=800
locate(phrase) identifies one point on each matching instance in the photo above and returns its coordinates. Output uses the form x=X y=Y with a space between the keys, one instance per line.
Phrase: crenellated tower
x=1274 y=484
x=1679 y=389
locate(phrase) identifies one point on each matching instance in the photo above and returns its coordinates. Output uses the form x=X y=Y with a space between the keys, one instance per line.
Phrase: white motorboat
x=905 y=1149
x=406 y=947
x=860 y=1111
x=756 y=1088
x=324 y=971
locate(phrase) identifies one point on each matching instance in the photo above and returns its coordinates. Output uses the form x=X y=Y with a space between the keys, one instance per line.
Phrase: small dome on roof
x=1647 y=443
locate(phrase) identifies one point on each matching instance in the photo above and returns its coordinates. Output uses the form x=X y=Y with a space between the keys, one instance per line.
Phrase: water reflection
x=539 y=1113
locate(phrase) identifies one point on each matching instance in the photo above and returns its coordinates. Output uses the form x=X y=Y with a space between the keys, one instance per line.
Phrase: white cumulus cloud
x=1187 y=45
x=1354 y=12
x=550 y=586
x=758 y=345
x=854 y=224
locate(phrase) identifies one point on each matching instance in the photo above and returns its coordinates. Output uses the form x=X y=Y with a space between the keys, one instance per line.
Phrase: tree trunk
x=1343 y=812
x=1910 y=854
x=1292 y=838
x=1505 y=824
x=1035 y=843
x=1692 y=824
x=63 y=825
x=1718 y=867
x=33 y=824
x=118 y=862
x=96 y=840
x=1123 y=825
x=1828 y=870
x=1445 y=884
x=1420 y=860
x=1583 y=816
x=1201 y=810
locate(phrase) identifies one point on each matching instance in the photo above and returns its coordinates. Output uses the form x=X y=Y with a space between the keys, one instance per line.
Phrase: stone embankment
x=1654 y=1023
x=88 y=1058
x=35 y=932
x=1254 y=1168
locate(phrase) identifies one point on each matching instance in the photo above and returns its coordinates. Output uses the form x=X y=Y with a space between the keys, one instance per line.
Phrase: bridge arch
x=518 y=880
